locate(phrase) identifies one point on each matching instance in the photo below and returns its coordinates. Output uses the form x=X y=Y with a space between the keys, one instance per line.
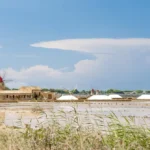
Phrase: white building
x=99 y=97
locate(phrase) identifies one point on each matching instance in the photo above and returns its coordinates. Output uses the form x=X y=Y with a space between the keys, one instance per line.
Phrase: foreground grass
x=74 y=135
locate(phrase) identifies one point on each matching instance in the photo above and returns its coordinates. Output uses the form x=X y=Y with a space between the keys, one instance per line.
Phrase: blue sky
x=24 y=22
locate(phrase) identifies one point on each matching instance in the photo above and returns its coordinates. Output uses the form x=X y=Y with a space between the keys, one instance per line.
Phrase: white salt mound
x=99 y=97
x=67 y=97
x=144 y=97
x=115 y=96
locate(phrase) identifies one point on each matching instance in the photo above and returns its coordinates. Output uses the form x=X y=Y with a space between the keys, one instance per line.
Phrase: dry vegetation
x=74 y=135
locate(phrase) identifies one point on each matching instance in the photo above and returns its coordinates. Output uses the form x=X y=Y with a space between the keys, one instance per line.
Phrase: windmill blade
x=4 y=75
x=9 y=80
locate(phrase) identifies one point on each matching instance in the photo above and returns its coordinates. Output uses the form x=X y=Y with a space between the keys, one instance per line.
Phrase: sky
x=82 y=44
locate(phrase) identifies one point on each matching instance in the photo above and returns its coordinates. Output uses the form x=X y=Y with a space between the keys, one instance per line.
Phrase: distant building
x=92 y=92
x=24 y=93
x=97 y=92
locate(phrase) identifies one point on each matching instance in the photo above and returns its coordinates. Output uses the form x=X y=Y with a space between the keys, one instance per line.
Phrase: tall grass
x=74 y=134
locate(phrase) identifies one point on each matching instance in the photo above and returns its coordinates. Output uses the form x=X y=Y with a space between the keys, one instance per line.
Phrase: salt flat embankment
x=49 y=105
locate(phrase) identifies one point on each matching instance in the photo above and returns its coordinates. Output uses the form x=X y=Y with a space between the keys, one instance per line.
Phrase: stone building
x=26 y=93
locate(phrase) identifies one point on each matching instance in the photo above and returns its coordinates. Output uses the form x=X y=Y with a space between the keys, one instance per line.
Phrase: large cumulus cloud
x=119 y=63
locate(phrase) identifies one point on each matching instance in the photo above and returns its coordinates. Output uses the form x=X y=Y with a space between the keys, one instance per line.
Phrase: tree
x=52 y=90
x=139 y=91
x=83 y=92
x=45 y=89
x=114 y=91
x=7 y=88
x=75 y=91
x=14 y=89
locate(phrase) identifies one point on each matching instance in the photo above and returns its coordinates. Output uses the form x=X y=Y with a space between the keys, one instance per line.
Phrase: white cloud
x=35 y=75
x=119 y=63
x=96 y=45
x=101 y=73
x=16 y=84
x=34 y=72
x=64 y=69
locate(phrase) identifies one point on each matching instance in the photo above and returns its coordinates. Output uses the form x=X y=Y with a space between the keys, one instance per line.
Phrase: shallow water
x=86 y=111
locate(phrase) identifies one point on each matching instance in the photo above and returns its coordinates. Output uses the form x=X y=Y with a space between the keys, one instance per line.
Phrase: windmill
x=3 y=80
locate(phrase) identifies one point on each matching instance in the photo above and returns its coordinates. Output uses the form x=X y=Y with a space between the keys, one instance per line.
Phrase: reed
x=77 y=135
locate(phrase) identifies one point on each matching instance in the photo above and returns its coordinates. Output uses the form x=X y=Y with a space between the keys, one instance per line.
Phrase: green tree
x=52 y=90
x=114 y=91
x=61 y=91
x=7 y=88
x=139 y=91
x=14 y=89
x=75 y=91
x=45 y=89
x=83 y=92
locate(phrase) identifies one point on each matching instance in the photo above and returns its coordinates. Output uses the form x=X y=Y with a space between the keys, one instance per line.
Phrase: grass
x=75 y=134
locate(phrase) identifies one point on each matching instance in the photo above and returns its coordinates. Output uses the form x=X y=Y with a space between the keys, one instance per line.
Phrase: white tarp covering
x=144 y=97
x=115 y=96
x=67 y=97
x=99 y=97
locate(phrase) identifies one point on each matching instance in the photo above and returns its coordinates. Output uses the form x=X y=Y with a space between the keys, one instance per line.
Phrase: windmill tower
x=2 y=85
